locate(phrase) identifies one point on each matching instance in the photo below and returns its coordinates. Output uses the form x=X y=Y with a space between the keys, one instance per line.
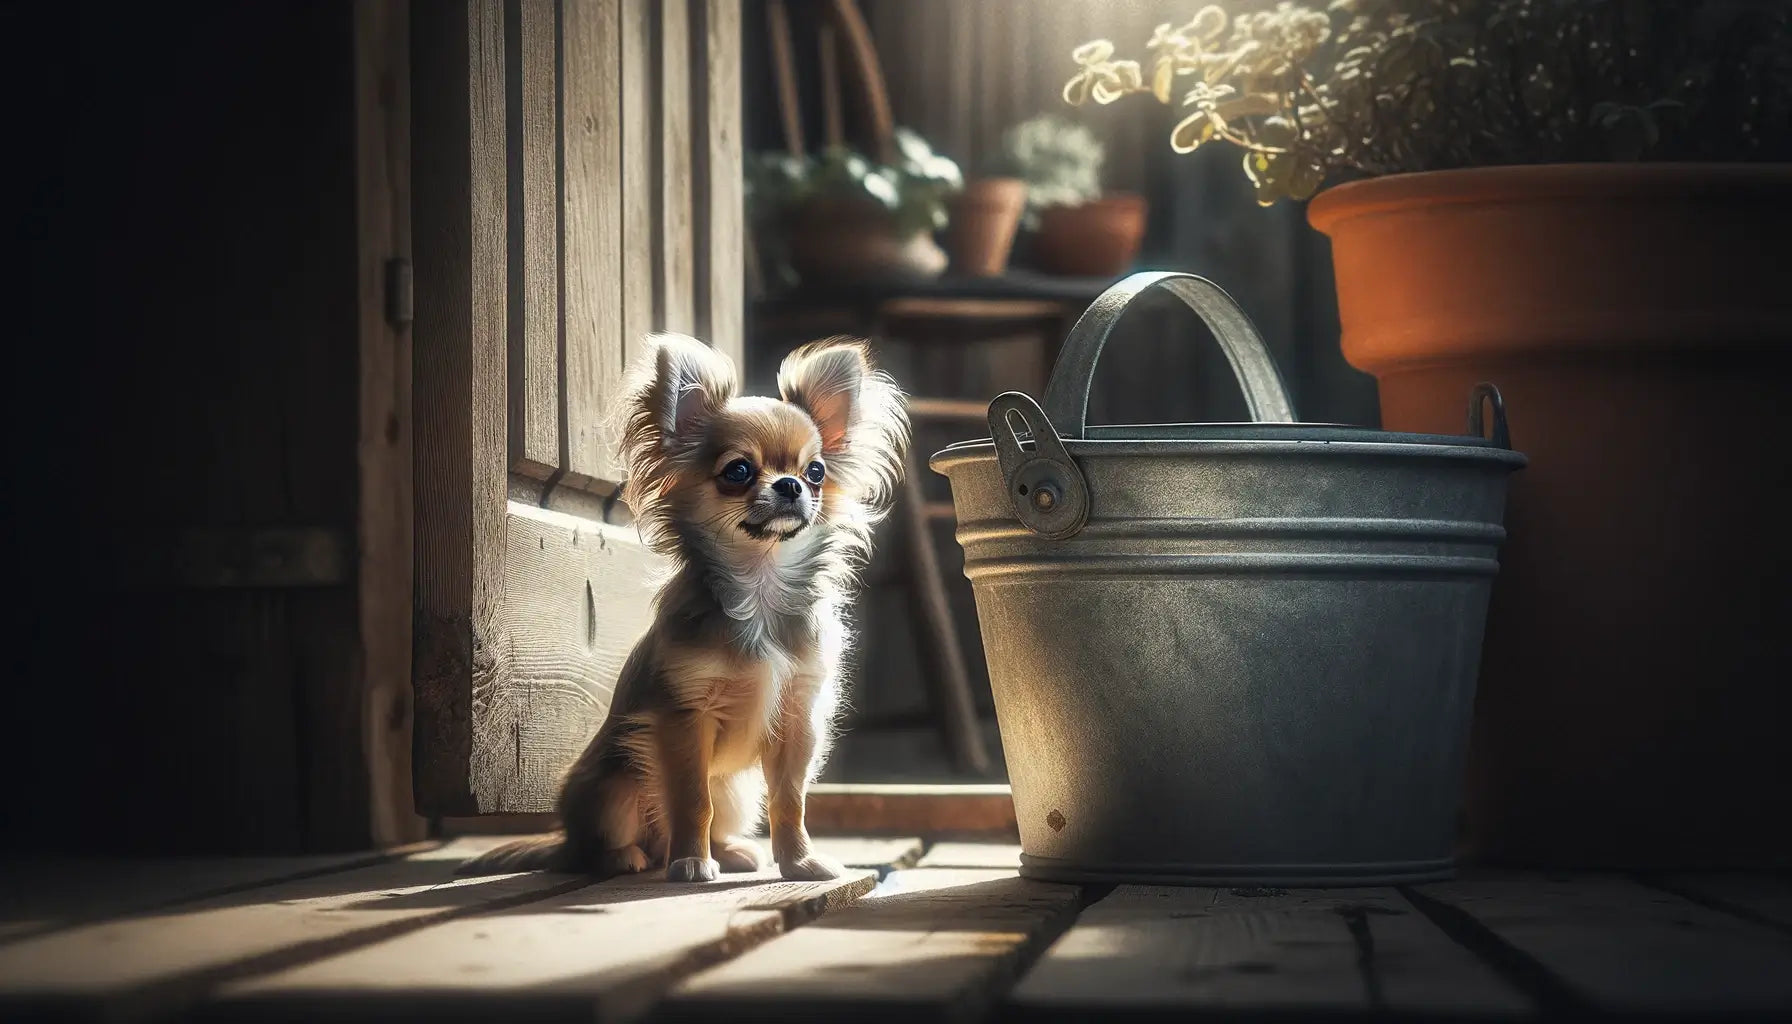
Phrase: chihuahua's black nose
x=788 y=487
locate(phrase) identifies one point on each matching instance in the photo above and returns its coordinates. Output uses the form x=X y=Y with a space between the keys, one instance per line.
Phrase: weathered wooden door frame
x=560 y=217
x=383 y=441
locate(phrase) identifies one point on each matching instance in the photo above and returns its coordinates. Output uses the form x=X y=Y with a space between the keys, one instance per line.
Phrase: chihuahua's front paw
x=812 y=868
x=692 y=869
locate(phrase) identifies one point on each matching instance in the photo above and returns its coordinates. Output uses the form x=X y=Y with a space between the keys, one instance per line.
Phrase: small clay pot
x=985 y=217
x=1100 y=238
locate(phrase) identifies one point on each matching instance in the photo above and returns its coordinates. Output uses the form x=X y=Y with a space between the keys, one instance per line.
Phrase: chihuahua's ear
x=680 y=391
x=858 y=410
x=674 y=392
x=826 y=379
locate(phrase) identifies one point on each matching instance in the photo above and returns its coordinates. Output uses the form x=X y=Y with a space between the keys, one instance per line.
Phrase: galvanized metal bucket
x=1228 y=654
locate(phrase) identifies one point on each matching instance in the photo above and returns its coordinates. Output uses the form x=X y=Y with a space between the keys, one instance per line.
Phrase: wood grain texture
x=600 y=502
x=878 y=852
x=962 y=69
x=533 y=823
x=602 y=952
x=883 y=853
x=947 y=811
x=459 y=368
x=1201 y=950
x=268 y=557
x=159 y=963
x=533 y=103
x=591 y=212
x=833 y=113
x=640 y=178
x=578 y=596
x=721 y=216
x=1761 y=897
x=861 y=55
x=40 y=895
x=790 y=109
x=1625 y=947
x=375 y=713
x=942 y=945
x=674 y=209
x=972 y=855
x=949 y=682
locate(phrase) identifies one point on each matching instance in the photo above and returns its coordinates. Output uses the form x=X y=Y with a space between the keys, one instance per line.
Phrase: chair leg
x=949 y=684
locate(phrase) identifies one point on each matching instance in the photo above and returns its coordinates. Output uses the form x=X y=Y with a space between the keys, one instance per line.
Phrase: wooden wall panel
x=720 y=218
x=675 y=286
x=591 y=134
x=640 y=184
x=533 y=105
x=578 y=595
x=651 y=204
x=458 y=118
x=621 y=171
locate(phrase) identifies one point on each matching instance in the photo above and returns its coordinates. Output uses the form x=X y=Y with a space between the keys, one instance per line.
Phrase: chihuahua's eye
x=816 y=471
x=738 y=472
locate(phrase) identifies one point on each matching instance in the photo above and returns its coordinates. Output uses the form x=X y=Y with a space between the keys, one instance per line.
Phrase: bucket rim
x=1326 y=440
x=1248 y=430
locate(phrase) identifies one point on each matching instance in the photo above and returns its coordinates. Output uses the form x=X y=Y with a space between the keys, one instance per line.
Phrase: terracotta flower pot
x=984 y=218
x=1097 y=239
x=1633 y=700
x=838 y=241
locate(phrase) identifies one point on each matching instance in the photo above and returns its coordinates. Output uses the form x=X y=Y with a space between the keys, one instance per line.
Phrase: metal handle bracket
x=1046 y=487
x=1486 y=394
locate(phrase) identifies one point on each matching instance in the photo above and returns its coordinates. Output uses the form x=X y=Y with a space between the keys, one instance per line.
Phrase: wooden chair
x=949 y=682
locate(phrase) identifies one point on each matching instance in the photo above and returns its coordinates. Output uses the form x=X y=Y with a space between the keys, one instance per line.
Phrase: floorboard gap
x=1711 y=902
x=999 y=1007
x=1553 y=996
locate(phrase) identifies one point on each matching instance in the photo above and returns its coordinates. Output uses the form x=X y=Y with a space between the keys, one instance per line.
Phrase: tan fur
x=731 y=695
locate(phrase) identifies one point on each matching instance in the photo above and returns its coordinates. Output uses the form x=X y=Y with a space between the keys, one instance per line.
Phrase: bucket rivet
x=1044 y=498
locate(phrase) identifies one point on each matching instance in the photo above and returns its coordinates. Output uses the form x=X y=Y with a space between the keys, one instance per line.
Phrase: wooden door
x=577 y=185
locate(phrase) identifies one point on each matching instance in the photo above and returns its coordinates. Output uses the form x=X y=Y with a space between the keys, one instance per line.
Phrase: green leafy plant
x=914 y=188
x=1373 y=87
x=1059 y=160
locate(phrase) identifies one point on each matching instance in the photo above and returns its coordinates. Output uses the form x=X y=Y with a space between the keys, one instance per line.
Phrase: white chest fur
x=759 y=587
x=777 y=626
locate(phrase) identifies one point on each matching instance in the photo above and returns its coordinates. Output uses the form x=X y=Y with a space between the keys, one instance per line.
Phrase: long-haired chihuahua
x=724 y=710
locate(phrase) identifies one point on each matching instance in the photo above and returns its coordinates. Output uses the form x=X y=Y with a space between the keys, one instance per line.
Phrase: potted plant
x=982 y=222
x=1570 y=199
x=1078 y=229
x=841 y=216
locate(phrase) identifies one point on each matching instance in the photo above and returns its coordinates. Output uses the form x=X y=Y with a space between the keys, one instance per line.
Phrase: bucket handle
x=1067 y=394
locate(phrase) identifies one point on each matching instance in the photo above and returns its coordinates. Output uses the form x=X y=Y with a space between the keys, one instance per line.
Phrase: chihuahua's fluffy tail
x=532 y=853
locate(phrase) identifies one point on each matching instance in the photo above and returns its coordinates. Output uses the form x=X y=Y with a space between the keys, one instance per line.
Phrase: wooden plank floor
x=918 y=931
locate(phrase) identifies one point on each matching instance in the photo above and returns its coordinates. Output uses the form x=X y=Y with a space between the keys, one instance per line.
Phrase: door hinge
x=399 y=307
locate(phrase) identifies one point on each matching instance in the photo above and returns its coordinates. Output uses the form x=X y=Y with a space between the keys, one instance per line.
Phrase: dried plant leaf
x=1163 y=76
x=1385 y=86
x=1095 y=51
